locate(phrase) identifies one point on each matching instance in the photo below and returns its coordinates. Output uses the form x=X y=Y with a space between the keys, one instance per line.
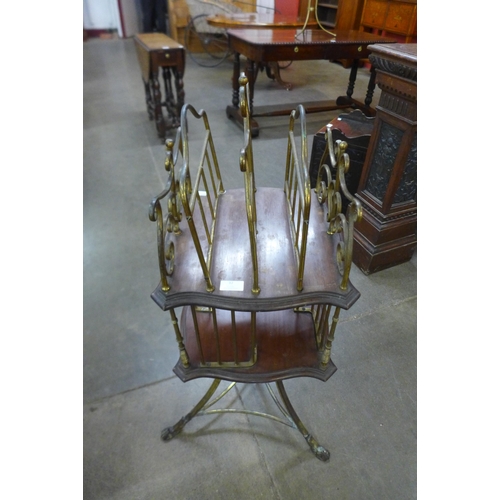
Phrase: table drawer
x=374 y=13
x=307 y=53
x=172 y=57
x=400 y=17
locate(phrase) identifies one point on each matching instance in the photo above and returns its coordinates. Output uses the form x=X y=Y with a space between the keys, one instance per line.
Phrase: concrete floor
x=365 y=414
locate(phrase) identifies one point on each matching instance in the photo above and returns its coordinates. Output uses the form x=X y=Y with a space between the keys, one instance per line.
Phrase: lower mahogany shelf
x=285 y=343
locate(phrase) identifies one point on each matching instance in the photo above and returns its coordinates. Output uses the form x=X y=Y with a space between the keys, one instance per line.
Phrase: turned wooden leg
x=252 y=76
x=160 y=122
x=371 y=87
x=149 y=100
x=233 y=110
x=236 y=76
x=169 y=97
x=179 y=89
x=352 y=78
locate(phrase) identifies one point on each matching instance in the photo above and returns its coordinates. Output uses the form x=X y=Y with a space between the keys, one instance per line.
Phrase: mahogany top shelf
x=231 y=260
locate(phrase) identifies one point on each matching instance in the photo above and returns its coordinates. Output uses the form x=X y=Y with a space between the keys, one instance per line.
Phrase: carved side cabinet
x=387 y=234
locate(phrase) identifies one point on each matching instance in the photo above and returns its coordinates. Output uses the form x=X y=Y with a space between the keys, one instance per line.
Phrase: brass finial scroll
x=330 y=192
x=169 y=224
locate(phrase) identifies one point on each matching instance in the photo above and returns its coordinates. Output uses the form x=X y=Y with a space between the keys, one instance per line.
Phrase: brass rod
x=180 y=341
x=208 y=195
x=329 y=339
x=204 y=219
x=247 y=167
x=216 y=333
x=290 y=409
x=235 y=340
x=211 y=172
x=294 y=194
x=254 y=333
x=281 y=408
x=196 y=183
x=197 y=332
x=220 y=396
x=247 y=412
x=315 y=447
x=324 y=323
x=160 y=236
x=214 y=156
x=199 y=251
x=298 y=220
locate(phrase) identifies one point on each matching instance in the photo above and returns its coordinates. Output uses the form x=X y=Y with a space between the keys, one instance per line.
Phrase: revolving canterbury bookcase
x=253 y=279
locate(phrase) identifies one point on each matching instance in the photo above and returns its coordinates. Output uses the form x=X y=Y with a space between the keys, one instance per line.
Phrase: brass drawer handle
x=167 y=55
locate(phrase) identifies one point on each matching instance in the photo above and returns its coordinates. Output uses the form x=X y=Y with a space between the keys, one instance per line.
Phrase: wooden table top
x=254 y=20
x=308 y=37
x=157 y=41
x=406 y=52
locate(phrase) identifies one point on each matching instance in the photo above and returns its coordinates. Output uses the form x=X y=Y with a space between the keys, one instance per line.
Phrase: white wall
x=100 y=14
x=132 y=17
x=261 y=4
x=105 y=14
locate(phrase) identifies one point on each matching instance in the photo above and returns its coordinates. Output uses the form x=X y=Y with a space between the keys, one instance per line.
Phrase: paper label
x=232 y=286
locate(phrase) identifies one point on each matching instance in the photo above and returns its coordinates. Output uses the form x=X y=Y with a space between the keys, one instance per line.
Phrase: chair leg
x=320 y=452
x=171 y=432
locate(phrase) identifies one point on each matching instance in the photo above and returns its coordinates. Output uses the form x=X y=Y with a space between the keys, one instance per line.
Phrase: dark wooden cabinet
x=355 y=129
x=387 y=233
x=391 y=17
x=338 y=14
x=327 y=12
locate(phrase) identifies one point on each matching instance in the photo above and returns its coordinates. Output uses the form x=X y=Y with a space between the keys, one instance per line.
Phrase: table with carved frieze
x=262 y=46
x=387 y=234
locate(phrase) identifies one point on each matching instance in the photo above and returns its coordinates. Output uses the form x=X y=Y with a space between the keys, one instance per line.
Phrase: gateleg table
x=157 y=53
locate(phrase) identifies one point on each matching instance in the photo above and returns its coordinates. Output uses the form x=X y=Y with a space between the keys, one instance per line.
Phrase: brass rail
x=298 y=191
x=330 y=192
x=213 y=335
x=199 y=193
x=246 y=166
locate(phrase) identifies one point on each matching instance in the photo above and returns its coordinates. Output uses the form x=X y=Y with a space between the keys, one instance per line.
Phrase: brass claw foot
x=170 y=432
x=167 y=434
x=322 y=453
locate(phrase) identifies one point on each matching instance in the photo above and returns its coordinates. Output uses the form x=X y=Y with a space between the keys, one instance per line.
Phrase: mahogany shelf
x=231 y=260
